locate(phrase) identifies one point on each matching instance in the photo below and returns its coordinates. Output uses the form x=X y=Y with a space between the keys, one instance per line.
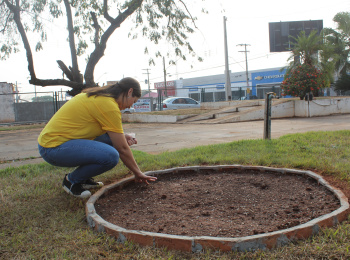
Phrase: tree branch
x=97 y=29
x=73 y=51
x=105 y=11
x=188 y=13
x=6 y=23
x=65 y=70
x=16 y=9
x=98 y=53
x=57 y=82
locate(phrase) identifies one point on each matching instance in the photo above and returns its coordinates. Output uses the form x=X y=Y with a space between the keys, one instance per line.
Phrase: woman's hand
x=144 y=178
x=121 y=143
x=130 y=139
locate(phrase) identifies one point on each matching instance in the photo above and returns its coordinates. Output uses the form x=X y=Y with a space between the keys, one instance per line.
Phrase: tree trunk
x=73 y=51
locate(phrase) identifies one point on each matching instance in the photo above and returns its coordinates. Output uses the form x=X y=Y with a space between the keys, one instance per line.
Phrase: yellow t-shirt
x=82 y=117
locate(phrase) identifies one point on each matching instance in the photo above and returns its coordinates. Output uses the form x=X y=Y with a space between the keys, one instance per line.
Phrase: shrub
x=302 y=80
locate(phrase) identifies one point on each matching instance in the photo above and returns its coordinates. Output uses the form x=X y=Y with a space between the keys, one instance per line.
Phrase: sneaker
x=75 y=189
x=90 y=184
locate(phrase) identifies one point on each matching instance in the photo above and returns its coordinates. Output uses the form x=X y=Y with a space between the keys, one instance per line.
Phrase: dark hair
x=120 y=88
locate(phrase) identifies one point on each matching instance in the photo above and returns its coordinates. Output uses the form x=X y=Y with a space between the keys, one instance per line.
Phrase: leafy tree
x=305 y=48
x=343 y=84
x=305 y=72
x=338 y=42
x=157 y=20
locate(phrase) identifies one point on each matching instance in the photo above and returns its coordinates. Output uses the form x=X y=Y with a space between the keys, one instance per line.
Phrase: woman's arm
x=120 y=143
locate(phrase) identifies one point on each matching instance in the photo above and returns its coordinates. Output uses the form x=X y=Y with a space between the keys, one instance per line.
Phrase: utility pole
x=149 y=88
x=227 y=71
x=246 y=61
x=165 y=92
x=17 y=98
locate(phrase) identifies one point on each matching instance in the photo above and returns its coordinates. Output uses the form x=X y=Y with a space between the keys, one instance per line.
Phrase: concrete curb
x=199 y=243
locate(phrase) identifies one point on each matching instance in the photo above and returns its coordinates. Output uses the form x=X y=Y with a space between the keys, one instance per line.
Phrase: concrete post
x=267 y=115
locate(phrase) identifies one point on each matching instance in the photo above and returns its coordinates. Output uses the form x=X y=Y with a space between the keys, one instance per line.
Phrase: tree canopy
x=338 y=41
x=92 y=22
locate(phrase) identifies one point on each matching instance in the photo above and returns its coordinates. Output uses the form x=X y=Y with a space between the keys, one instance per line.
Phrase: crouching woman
x=87 y=133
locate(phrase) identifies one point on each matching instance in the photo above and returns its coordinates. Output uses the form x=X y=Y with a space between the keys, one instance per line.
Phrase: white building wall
x=7 y=108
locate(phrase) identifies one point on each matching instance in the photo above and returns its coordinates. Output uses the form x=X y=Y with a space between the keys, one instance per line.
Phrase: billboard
x=170 y=87
x=279 y=33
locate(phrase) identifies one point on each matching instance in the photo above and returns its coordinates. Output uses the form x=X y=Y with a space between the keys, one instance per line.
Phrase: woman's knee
x=113 y=157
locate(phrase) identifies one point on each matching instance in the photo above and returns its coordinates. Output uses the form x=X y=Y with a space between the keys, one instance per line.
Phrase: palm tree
x=338 y=41
x=306 y=48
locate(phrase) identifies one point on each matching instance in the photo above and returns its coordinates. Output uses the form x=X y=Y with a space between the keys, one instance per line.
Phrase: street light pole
x=165 y=89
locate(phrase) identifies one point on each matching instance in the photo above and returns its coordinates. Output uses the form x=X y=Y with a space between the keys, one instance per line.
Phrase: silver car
x=179 y=103
x=128 y=110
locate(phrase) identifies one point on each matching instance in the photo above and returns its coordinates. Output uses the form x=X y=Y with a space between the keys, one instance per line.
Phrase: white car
x=179 y=103
x=128 y=110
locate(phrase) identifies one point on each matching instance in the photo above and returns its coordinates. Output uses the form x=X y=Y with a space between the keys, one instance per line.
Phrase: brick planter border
x=198 y=243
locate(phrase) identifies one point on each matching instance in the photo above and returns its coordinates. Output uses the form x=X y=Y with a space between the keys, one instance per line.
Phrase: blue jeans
x=91 y=157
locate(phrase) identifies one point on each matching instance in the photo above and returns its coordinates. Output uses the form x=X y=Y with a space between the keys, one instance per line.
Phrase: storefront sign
x=160 y=85
x=266 y=77
x=143 y=105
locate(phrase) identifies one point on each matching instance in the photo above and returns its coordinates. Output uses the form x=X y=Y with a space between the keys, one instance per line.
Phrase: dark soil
x=231 y=203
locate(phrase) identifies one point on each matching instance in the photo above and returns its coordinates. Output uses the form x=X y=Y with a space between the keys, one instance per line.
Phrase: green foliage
x=302 y=80
x=31 y=15
x=338 y=40
x=306 y=48
x=343 y=83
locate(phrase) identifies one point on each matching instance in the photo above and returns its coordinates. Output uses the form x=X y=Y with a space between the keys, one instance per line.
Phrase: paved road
x=157 y=138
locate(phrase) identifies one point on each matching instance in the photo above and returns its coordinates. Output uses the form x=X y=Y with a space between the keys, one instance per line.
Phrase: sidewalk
x=158 y=138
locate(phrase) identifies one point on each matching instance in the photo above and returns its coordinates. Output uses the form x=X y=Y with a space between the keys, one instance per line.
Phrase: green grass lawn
x=39 y=220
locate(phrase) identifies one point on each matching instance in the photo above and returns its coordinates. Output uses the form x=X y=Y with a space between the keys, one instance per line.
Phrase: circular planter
x=198 y=243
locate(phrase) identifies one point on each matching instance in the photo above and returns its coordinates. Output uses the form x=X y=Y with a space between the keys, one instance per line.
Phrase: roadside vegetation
x=40 y=221
x=21 y=127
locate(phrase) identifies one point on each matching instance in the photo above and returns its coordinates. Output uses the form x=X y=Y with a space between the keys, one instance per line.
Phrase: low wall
x=322 y=107
x=280 y=109
x=7 y=109
x=291 y=107
x=223 y=104
x=144 y=118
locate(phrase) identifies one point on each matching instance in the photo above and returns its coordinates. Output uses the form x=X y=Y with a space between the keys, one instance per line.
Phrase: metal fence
x=29 y=106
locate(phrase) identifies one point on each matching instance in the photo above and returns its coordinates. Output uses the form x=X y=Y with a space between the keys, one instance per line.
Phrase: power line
x=220 y=66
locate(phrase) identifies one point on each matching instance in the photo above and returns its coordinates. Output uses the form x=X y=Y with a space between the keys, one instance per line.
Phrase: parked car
x=128 y=110
x=248 y=98
x=179 y=103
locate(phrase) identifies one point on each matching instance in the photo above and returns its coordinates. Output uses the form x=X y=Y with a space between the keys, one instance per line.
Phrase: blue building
x=212 y=88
